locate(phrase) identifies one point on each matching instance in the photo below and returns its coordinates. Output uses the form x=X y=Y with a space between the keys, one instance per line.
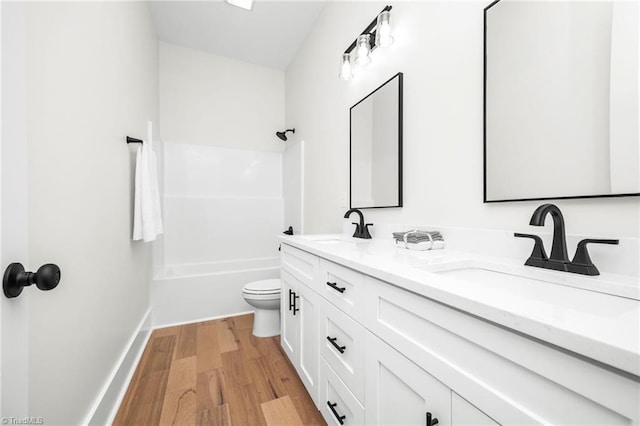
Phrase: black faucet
x=362 y=230
x=558 y=257
x=558 y=260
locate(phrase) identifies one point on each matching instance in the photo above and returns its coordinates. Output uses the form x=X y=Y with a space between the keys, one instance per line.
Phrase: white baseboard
x=106 y=405
x=173 y=324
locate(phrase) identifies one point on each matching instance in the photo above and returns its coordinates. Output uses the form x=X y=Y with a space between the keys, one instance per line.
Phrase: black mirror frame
x=399 y=75
x=484 y=137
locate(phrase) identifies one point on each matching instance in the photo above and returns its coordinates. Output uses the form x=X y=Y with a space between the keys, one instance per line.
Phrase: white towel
x=147 y=218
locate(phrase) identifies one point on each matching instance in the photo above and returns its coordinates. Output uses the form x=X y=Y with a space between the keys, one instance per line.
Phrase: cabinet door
x=306 y=303
x=399 y=392
x=289 y=324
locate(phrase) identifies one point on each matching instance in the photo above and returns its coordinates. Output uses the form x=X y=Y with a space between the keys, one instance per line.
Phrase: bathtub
x=201 y=291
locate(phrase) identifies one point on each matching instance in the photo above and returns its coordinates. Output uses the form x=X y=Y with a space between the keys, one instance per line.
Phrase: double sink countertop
x=574 y=312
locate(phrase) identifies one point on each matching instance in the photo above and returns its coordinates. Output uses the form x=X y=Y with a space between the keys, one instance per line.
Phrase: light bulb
x=346 y=68
x=383 y=30
x=363 y=47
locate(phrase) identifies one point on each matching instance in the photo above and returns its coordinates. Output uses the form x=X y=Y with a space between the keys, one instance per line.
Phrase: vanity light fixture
x=243 y=4
x=376 y=34
x=346 y=67
x=383 y=33
x=363 y=48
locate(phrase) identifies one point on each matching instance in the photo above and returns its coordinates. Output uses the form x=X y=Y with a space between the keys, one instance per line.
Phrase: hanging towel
x=147 y=219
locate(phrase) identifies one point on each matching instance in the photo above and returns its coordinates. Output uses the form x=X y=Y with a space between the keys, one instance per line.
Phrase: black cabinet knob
x=16 y=278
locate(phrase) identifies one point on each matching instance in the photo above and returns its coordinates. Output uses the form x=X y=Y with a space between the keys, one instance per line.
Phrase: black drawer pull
x=335 y=345
x=290 y=299
x=295 y=298
x=335 y=287
x=335 y=413
x=431 y=422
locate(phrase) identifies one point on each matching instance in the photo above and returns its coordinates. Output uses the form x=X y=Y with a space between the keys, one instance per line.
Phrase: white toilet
x=264 y=295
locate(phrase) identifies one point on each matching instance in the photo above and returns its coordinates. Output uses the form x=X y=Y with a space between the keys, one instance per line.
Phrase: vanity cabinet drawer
x=511 y=378
x=302 y=265
x=342 y=346
x=343 y=287
x=336 y=403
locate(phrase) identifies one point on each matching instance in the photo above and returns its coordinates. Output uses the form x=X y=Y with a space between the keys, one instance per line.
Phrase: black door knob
x=16 y=278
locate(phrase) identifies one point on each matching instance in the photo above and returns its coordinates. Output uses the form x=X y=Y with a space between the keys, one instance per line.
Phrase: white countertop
x=600 y=326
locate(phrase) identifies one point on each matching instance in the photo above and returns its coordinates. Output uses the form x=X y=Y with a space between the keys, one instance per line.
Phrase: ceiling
x=268 y=35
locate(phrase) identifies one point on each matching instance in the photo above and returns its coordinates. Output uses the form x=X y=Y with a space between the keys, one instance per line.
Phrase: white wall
x=438 y=47
x=92 y=79
x=211 y=100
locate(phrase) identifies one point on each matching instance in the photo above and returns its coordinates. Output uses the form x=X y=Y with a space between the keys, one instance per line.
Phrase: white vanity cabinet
x=510 y=377
x=379 y=354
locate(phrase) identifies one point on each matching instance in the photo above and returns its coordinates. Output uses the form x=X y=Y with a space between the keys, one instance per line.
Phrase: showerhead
x=283 y=135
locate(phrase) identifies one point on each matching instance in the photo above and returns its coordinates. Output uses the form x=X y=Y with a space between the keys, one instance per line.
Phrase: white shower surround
x=223 y=211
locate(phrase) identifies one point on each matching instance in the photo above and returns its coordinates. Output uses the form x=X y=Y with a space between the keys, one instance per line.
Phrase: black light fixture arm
x=368 y=30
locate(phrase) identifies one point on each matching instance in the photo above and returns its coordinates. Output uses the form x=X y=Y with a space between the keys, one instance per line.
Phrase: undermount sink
x=333 y=241
x=480 y=272
x=327 y=239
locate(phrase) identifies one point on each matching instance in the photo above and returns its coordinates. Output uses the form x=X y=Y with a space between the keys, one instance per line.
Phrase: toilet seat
x=262 y=287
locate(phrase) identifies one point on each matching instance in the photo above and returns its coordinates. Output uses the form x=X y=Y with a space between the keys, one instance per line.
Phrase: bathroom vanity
x=381 y=335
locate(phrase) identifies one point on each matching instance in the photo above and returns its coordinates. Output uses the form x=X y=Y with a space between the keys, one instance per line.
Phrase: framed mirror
x=560 y=100
x=375 y=149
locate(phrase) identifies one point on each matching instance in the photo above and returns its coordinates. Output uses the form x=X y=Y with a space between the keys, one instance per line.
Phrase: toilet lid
x=263 y=287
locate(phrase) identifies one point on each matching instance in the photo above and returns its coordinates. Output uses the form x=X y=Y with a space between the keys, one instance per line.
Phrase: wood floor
x=216 y=373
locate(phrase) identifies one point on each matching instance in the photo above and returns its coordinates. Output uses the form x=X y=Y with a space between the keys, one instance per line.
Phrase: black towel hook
x=133 y=140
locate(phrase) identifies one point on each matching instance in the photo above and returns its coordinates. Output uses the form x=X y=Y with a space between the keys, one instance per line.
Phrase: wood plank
x=267 y=382
x=234 y=368
x=179 y=405
x=226 y=337
x=208 y=348
x=166 y=331
x=243 y=322
x=249 y=345
x=243 y=406
x=142 y=402
x=281 y=412
x=210 y=390
x=215 y=416
x=187 y=343
x=293 y=385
